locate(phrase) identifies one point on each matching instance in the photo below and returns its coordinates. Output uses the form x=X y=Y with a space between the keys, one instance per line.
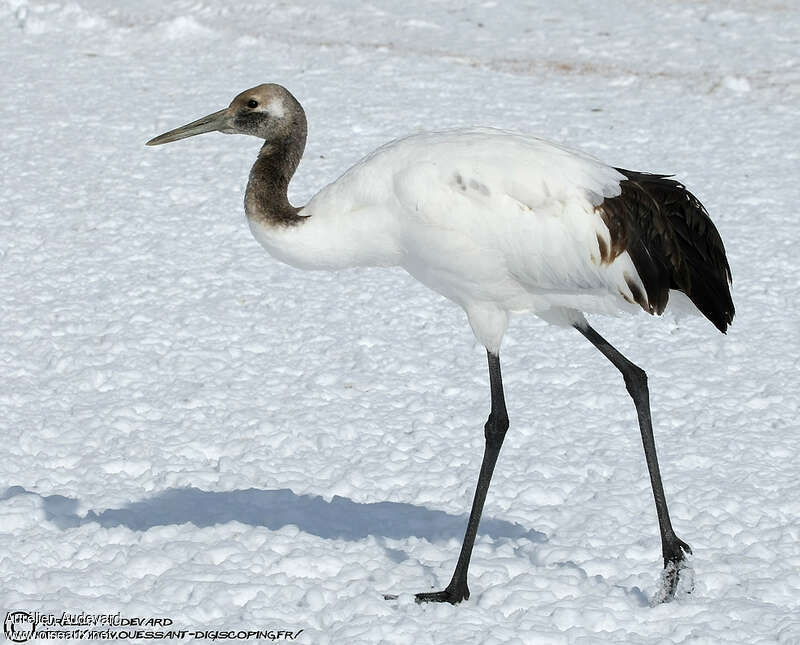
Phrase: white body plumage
x=497 y=222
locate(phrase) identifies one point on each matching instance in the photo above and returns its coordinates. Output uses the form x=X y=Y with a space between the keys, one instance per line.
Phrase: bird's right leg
x=673 y=548
x=494 y=433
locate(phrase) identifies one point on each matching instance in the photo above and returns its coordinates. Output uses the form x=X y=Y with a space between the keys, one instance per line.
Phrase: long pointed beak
x=211 y=123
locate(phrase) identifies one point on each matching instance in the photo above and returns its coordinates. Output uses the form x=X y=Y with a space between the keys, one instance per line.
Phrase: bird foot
x=453 y=593
x=677 y=578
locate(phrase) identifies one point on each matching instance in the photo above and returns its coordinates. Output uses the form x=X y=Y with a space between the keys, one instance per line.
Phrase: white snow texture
x=193 y=430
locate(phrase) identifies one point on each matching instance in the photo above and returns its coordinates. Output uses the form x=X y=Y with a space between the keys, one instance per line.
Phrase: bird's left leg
x=673 y=548
x=494 y=433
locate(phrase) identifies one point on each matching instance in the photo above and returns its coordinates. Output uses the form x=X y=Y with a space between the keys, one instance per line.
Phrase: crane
x=499 y=223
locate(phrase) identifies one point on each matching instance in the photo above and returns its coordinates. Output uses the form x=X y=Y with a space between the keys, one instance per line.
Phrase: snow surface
x=193 y=430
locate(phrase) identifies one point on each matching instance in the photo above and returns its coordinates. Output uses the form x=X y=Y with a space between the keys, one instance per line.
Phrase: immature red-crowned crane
x=499 y=223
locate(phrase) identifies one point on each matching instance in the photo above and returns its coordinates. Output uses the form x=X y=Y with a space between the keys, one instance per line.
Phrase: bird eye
x=252 y=103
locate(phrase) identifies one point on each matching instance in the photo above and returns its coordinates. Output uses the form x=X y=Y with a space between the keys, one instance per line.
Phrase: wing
x=484 y=214
x=509 y=214
x=673 y=243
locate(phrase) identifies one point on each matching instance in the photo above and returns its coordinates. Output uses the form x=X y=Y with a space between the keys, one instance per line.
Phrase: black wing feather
x=672 y=242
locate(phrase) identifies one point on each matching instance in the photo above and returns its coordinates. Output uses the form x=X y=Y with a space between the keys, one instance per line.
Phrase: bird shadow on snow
x=339 y=518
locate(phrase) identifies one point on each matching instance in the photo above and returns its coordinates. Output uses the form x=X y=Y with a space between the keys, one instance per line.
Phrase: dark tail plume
x=673 y=244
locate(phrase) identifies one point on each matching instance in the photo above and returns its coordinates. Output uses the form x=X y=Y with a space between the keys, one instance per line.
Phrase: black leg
x=494 y=431
x=636 y=383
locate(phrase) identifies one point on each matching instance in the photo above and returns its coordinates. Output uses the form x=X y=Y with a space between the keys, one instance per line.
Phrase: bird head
x=267 y=111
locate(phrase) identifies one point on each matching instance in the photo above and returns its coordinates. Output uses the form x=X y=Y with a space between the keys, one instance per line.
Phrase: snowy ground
x=193 y=430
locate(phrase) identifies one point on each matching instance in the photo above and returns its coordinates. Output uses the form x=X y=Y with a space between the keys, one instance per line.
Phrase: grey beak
x=210 y=123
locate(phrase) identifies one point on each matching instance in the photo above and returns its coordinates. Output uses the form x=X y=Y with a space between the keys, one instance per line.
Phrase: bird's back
x=488 y=216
